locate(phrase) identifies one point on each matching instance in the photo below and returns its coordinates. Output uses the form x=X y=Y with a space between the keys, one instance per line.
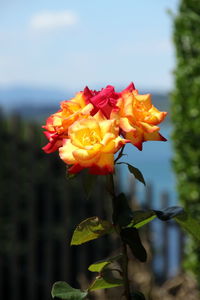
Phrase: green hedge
x=186 y=115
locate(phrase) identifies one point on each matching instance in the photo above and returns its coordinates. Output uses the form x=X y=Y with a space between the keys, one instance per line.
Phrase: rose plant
x=90 y=132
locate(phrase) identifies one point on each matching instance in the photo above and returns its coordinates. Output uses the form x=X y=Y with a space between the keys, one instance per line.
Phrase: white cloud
x=53 y=20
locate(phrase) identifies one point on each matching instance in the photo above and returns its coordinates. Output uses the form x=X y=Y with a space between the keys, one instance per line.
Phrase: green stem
x=120 y=154
x=125 y=272
x=124 y=246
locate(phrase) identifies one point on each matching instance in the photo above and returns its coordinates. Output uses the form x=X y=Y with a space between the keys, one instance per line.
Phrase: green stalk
x=127 y=292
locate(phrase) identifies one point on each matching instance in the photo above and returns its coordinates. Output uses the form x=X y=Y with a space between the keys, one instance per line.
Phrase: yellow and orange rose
x=57 y=124
x=92 y=143
x=138 y=118
x=91 y=127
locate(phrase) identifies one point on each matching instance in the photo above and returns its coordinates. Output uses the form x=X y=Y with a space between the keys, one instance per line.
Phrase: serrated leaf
x=130 y=236
x=63 y=290
x=90 y=229
x=105 y=281
x=100 y=265
x=122 y=214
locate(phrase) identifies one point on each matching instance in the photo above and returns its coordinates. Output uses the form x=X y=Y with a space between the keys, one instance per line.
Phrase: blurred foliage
x=186 y=115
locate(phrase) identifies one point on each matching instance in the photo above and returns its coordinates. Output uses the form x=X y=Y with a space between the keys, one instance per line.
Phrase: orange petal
x=143 y=100
x=135 y=137
x=155 y=136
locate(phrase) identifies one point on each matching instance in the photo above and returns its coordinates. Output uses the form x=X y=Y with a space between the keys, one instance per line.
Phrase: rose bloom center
x=90 y=138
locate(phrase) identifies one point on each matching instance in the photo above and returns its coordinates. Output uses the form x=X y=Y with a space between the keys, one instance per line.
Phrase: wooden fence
x=39 y=209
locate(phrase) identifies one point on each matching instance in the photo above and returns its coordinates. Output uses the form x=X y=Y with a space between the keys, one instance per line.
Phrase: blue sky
x=69 y=44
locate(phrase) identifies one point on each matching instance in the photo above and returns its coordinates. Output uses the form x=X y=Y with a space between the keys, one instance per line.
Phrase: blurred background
x=49 y=51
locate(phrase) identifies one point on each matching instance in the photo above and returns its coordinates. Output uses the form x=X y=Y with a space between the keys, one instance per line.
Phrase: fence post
x=14 y=200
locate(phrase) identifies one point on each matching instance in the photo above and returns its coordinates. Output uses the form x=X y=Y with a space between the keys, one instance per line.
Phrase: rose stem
x=124 y=247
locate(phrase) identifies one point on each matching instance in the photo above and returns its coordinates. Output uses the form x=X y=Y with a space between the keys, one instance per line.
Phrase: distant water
x=154 y=161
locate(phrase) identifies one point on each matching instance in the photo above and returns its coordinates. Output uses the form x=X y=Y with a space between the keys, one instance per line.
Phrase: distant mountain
x=15 y=97
x=38 y=103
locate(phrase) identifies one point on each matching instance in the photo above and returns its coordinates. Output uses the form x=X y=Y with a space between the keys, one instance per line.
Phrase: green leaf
x=142 y=217
x=100 y=265
x=189 y=224
x=90 y=229
x=105 y=281
x=169 y=213
x=177 y=213
x=130 y=236
x=137 y=173
x=63 y=290
x=122 y=214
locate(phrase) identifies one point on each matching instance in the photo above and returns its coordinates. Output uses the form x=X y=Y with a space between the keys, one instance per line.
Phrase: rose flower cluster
x=91 y=127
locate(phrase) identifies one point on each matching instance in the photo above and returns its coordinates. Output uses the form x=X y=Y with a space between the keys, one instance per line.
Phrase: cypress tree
x=185 y=104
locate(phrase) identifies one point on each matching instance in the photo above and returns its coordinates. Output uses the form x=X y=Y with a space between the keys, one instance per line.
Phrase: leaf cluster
x=126 y=223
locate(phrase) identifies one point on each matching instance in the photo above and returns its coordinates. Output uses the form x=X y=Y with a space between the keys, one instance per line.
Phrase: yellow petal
x=155 y=116
x=125 y=125
x=99 y=116
x=143 y=100
x=108 y=126
x=119 y=142
x=128 y=105
x=79 y=99
x=66 y=152
x=105 y=164
x=115 y=114
x=149 y=128
x=108 y=143
x=83 y=154
x=87 y=109
x=81 y=129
